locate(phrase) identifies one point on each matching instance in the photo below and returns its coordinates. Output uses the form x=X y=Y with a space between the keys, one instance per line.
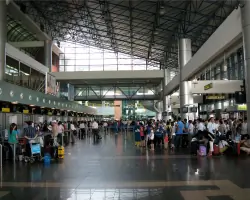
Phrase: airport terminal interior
x=124 y=100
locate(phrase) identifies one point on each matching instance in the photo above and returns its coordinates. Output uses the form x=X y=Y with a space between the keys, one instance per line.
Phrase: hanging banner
x=51 y=87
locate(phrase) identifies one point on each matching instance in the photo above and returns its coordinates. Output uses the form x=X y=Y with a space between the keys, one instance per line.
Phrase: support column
x=166 y=99
x=185 y=54
x=3 y=38
x=48 y=54
x=159 y=113
x=245 y=17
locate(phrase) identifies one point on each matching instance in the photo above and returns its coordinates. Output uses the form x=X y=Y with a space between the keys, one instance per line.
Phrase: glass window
x=70 y=68
x=139 y=67
x=124 y=67
x=82 y=68
x=98 y=68
x=96 y=62
x=208 y=75
x=81 y=62
x=110 y=67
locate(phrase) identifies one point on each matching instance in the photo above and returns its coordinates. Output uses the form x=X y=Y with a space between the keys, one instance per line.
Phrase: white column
x=3 y=38
x=245 y=16
x=166 y=99
x=185 y=54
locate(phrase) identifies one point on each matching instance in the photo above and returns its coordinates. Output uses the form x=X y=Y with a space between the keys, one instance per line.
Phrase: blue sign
x=35 y=149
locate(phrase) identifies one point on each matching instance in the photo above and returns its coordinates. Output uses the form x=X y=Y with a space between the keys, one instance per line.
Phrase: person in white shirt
x=200 y=126
x=244 y=127
x=94 y=125
x=151 y=138
x=211 y=126
x=95 y=130
x=173 y=124
x=73 y=132
x=105 y=125
x=82 y=130
x=60 y=130
x=190 y=130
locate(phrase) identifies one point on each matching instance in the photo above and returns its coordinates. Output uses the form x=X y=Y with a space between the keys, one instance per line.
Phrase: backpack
x=168 y=130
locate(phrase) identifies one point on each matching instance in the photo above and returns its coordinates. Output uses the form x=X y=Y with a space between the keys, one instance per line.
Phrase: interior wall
x=118 y=109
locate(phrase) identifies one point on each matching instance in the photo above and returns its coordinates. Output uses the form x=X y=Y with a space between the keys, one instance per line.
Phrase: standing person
x=142 y=135
x=30 y=134
x=190 y=131
x=244 y=127
x=179 y=133
x=60 y=130
x=211 y=126
x=54 y=131
x=151 y=138
x=72 y=132
x=82 y=130
x=13 y=138
x=173 y=133
x=105 y=125
x=95 y=130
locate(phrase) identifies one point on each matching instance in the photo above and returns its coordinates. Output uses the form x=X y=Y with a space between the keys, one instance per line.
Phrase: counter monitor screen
x=185 y=109
x=193 y=109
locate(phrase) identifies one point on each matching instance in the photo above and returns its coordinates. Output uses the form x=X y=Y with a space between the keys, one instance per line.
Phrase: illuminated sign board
x=164 y=114
x=185 y=109
x=193 y=109
x=7 y=110
x=25 y=111
x=215 y=97
x=242 y=107
x=208 y=86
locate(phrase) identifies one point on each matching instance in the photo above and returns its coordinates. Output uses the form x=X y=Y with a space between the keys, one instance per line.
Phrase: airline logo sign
x=208 y=86
x=215 y=97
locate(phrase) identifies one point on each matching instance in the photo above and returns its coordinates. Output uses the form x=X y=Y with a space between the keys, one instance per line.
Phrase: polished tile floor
x=114 y=169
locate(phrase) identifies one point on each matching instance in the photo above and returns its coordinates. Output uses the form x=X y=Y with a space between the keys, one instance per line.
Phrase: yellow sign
x=50 y=113
x=215 y=97
x=25 y=111
x=242 y=107
x=208 y=86
x=7 y=110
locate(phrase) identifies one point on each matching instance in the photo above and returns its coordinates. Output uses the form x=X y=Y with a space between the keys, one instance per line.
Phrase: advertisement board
x=51 y=87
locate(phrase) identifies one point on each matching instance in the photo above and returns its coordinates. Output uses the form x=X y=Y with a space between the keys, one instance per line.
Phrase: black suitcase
x=194 y=147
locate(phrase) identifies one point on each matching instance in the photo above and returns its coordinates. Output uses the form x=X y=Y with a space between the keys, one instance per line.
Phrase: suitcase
x=202 y=150
x=194 y=147
x=216 y=150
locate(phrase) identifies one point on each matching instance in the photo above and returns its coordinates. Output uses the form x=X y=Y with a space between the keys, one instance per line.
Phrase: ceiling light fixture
x=162 y=10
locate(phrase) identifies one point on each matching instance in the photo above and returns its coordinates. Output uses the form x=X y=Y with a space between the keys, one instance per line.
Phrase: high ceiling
x=148 y=29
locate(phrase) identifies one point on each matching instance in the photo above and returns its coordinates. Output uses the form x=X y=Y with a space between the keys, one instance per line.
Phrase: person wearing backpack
x=168 y=128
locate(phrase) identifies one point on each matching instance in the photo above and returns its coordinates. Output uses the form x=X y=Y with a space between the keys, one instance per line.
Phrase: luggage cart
x=35 y=149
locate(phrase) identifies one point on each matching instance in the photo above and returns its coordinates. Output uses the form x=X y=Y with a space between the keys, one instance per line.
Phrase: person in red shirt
x=142 y=135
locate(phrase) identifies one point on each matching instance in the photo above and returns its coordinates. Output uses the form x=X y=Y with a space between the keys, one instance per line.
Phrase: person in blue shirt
x=13 y=138
x=179 y=132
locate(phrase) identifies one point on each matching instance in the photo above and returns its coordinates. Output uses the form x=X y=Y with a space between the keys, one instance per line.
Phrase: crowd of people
x=150 y=134
x=187 y=133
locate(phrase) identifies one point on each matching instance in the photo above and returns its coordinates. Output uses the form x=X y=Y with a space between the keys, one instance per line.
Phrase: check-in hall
x=124 y=100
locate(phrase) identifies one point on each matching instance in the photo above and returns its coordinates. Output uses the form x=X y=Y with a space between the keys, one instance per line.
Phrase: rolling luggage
x=194 y=147
x=202 y=150
x=216 y=151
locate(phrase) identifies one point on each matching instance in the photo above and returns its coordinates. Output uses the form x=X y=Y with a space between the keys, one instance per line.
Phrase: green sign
x=208 y=86
x=242 y=107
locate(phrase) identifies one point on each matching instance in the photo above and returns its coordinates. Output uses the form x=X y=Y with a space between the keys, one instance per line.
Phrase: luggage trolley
x=35 y=149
